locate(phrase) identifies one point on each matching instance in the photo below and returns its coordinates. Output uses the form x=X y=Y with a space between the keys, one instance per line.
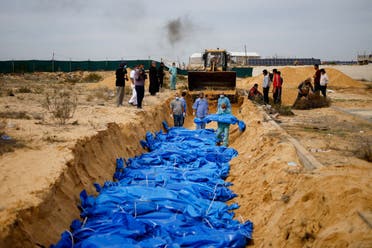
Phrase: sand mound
x=108 y=81
x=292 y=207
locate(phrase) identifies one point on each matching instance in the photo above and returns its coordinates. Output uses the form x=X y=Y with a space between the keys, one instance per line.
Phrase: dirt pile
x=292 y=207
x=293 y=76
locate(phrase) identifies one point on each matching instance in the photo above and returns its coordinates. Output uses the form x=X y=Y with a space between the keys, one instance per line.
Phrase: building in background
x=364 y=59
x=276 y=61
x=240 y=58
x=196 y=60
x=236 y=59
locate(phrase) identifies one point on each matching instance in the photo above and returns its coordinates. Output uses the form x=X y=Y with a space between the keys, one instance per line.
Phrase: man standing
x=223 y=99
x=133 y=99
x=121 y=76
x=153 y=87
x=281 y=87
x=266 y=86
x=223 y=128
x=184 y=106
x=201 y=109
x=316 y=79
x=173 y=74
x=277 y=87
x=323 y=82
x=176 y=111
x=161 y=75
x=139 y=81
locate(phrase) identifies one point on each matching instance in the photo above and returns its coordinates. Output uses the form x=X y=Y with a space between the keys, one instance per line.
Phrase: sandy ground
x=290 y=206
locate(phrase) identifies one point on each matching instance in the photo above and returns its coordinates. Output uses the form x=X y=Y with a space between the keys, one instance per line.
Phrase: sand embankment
x=290 y=206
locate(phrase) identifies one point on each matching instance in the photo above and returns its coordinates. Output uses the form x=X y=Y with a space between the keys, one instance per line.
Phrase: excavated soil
x=289 y=205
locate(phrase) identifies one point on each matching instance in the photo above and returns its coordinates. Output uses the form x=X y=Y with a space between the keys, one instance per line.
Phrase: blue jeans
x=177 y=120
x=173 y=82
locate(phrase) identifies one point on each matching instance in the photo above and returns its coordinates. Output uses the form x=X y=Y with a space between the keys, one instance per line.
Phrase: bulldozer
x=215 y=75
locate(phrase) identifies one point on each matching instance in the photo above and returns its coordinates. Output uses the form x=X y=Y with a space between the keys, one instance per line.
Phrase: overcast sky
x=173 y=30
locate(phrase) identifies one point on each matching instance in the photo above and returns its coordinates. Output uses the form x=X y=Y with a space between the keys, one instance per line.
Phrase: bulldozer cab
x=215 y=75
x=215 y=60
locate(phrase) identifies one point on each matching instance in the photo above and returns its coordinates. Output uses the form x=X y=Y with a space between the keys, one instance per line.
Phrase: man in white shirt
x=323 y=82
x=266 y=86
x=133 y=99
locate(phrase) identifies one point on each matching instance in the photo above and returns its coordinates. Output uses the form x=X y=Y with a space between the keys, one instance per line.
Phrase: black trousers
x=140 y=89
x=266 y=94
x=323 y=89
x=161 y=82
x=278 y=95
x=317 y=87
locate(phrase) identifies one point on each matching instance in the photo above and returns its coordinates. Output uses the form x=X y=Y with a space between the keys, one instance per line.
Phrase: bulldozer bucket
x=213 y=80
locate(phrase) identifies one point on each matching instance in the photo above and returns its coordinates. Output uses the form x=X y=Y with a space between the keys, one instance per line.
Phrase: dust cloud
x=178 y=29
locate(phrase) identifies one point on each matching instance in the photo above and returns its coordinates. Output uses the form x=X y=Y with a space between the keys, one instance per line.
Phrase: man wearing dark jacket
x=161 y=75
x=317 y=79
x=139 y=82
x=154 y=84
x=121 y=77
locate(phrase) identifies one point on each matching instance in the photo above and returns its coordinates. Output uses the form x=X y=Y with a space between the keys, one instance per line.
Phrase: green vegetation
x=364 y=150
x=92 y=78
x=61 y=104
x=313 y=101
x=283 y=110
x=24 y=89
x=14 y=115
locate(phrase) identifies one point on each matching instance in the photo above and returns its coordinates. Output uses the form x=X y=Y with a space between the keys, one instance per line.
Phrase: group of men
x=137 y=78
x=201 y=110
x=275 y=79
x=320 y=78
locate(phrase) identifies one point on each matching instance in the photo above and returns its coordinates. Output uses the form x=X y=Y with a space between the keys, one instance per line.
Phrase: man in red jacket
x=277 y=86
x=254 y=93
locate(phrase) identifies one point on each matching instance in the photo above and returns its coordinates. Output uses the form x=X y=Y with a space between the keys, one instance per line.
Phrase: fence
x=243 y=71
x=22 y=66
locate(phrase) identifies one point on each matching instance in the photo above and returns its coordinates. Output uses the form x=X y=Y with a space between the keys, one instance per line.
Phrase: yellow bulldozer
x=215 y=75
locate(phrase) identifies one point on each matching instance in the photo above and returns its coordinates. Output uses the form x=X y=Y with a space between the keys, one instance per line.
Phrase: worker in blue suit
x=173 y=76
x=223 y=128
x=223 y=99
